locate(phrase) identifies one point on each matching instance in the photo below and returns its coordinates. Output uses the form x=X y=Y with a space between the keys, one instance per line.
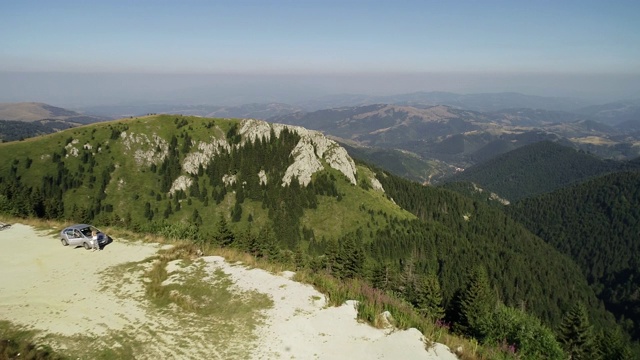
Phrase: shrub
x=516 y=331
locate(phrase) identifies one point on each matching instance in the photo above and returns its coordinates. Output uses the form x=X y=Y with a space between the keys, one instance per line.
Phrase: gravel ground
x=57 y=291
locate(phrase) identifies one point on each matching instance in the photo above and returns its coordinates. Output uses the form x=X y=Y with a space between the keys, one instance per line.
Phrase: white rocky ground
x=55 y=289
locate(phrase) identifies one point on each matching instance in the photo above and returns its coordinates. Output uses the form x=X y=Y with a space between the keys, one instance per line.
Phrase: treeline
x=19 y=130
x=596 y=223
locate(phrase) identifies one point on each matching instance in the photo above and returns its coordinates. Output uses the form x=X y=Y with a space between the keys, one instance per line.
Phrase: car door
x=74 y=237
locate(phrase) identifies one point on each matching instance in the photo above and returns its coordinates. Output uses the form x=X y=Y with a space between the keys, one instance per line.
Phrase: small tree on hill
x=224 y=236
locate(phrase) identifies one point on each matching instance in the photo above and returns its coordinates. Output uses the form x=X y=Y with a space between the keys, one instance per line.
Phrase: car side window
x=70 y=233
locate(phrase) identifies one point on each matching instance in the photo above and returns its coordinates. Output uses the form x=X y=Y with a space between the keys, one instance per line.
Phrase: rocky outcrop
x=309 y=153
x=305 y=163
x=492 y=196
x=181 y=183
x=229 y=179
x=206 y=151
x=312 y=153
x=145 y=151
x=71 y=149
x=376 y=185
x=262 y=175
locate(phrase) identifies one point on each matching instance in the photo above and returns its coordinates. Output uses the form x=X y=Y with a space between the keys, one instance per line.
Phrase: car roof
x=78 y=226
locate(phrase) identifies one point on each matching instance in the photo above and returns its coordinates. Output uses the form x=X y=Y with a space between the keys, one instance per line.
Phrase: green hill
x=537 y=168
x=597 y=223
x=134 y=173
x=291 y=195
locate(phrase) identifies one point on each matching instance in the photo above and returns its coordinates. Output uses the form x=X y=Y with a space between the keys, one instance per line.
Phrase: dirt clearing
x=133 y=300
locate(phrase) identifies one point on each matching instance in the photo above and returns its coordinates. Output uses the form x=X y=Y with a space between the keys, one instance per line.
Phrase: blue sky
x=320 y=36
x=567 y=48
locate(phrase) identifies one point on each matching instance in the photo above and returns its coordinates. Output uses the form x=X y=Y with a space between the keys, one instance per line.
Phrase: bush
x=516 y=331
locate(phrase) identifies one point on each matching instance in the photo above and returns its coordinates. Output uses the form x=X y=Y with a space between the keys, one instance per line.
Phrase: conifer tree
x=236 y=212
x=476 y=304
x=267 y=244
x=331 y=255
x=350 y=257
x=382 y=276
x=196 y=219
x=575 y=333
x=224 y=236
x=429 y=297
x=408 y=279
x=611 y=346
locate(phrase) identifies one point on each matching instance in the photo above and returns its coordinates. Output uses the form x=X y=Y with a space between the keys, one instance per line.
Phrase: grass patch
x=16 y=342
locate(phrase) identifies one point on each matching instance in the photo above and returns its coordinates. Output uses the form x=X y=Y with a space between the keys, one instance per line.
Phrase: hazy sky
x=407 y=45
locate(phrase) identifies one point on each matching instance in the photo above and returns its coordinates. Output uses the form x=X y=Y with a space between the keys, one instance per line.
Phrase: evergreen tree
x=382 y=276
x=350 y=257
x=299 y=258
x=429 y=297
x=476 y=304
x=331 y=256
x=612 y=346
x=267 y=244
x=575 y=333
x=196 y=219
x=408 y=279
x=236 y=212
x=224 y=237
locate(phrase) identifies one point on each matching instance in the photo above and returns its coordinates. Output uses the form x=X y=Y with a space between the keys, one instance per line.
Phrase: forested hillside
x=597 y=223
x=479 y=234
x=290 y=195
x=536 y=169
x=19 y=130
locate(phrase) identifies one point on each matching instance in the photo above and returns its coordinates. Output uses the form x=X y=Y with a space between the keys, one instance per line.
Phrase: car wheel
x=64 y=242
x=86 y=246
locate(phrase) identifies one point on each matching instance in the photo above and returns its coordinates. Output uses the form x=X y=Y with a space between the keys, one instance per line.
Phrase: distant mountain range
x=461 y=138
x=25 y=120
x=33 y=111
x=485 y=102
x=246 y=111
x=443 y=132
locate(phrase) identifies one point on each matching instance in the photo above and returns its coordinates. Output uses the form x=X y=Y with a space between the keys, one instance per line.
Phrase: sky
x=155 y=48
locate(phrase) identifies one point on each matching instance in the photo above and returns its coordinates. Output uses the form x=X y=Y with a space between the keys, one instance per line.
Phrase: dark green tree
x=196 y=219
x=236 y=212
x=477 y=302
x=224 y=237
x=429 y=297
x=612 y=345
x=575 y=334
x=350 y=257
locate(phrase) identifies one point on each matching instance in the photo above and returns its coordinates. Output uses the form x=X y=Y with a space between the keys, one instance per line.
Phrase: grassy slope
x=132 y=185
